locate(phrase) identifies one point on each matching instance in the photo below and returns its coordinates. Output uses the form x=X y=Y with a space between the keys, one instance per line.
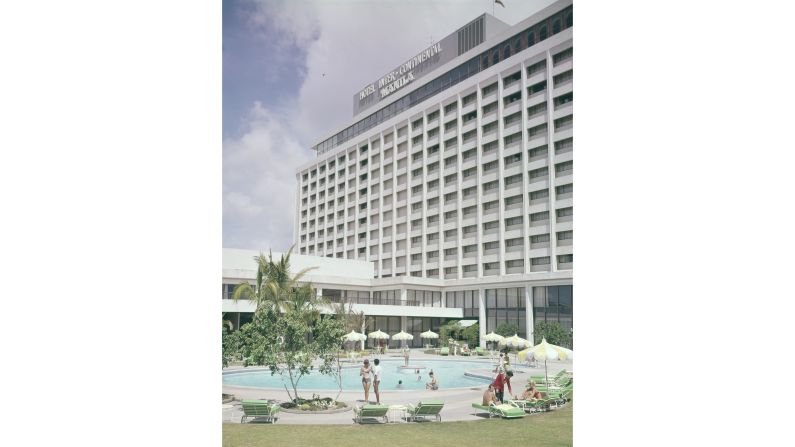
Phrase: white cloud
x=259 y=183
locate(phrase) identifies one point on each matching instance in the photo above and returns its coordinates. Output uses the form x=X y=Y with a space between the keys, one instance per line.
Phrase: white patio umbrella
x=515 y=342
x=402 y=336
x=492 y=337
x=544 y=351
x=378 y=335
x=429 y=334
x=354 y=336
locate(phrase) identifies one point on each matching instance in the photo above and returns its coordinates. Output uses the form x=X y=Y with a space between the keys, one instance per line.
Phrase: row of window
x=563 y=238
x=564 y=214
x=561 y=169
x=430 y=205
x=539 y=130
x=527 y=38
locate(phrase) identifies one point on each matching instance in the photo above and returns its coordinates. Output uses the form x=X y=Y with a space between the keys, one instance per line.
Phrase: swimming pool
x=450 y=374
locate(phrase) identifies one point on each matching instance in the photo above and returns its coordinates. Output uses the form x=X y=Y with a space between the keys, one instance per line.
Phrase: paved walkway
x=457 y=401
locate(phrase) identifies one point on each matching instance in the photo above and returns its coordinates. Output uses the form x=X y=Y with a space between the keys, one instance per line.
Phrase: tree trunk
x=339 y=379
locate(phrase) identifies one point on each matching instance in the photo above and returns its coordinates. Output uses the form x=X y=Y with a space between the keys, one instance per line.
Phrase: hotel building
x=449 y=193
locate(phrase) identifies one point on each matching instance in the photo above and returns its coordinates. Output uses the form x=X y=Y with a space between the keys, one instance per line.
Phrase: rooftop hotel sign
x=399 y=77
x=403 y=75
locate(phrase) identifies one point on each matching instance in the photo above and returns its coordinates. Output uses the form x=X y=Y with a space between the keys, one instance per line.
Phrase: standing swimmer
x=365 y=371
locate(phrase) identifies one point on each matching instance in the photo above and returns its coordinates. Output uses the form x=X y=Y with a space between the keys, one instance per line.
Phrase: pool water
x=449 y=374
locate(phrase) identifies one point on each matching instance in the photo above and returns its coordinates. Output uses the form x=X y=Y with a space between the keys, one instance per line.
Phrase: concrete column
x=237 y=322
x=528 y=312
x=403 y=323
x=482 y=315
x=403 y=293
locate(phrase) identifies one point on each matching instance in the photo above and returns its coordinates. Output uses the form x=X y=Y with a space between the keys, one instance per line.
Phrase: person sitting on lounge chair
x=433 y=384
x=489 y=397
x=531 y=393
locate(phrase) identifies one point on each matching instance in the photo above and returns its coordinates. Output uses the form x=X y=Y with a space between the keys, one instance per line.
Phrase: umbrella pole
x=546 y=374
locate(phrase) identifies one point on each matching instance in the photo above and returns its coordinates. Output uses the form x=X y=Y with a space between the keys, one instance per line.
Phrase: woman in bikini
x=531 y=393
x=366 y=379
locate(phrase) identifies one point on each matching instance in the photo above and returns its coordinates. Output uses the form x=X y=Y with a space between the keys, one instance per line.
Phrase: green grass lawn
x=551 y=428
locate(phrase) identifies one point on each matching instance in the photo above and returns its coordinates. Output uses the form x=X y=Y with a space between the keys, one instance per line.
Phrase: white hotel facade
x=449 y=194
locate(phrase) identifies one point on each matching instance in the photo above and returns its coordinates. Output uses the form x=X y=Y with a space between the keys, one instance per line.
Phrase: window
x=564 y=168
x=564 y=212
x=565 y=259
x=538 y=217
x=538 y=196
x=513 y=242
x=544 y=260
x=537 y=174
x=565 y=235
x=490 y=225
x=539 y=239
x=490 y=205
x=564 y=191
x=450 y=197
x=513 y=221
x=563 y=78
x=514 y=179
x=564 y=146
x=511 y=159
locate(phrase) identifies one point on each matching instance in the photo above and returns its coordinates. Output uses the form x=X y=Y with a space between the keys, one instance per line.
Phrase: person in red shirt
x=500 y=382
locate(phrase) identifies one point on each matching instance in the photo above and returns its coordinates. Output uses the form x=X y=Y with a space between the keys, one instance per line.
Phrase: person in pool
x=365 y=371
x=433 y=384
x=399 y=385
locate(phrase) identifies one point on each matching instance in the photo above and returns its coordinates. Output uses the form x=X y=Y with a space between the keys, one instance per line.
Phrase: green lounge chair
x=557 y=386
x=259 y=409
x=445 y=351
x=425 y=409
x=536 y=406
x=480 y=351
x=505 y=411
x=559 y=398
x=560 y=376
x=371 y=412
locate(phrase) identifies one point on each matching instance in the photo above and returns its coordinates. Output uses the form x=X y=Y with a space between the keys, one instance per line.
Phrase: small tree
x=472 y=334
x=449 y=330
x=553 y=332
x=287 y=344
x=506 y=329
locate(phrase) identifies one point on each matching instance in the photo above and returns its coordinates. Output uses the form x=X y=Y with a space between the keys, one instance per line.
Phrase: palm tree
x=275 y=288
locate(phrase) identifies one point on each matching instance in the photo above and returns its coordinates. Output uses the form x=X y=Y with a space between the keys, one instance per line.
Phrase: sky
x=290 y=69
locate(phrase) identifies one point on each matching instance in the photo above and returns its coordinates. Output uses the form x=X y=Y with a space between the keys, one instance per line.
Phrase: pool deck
x=457 y=401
